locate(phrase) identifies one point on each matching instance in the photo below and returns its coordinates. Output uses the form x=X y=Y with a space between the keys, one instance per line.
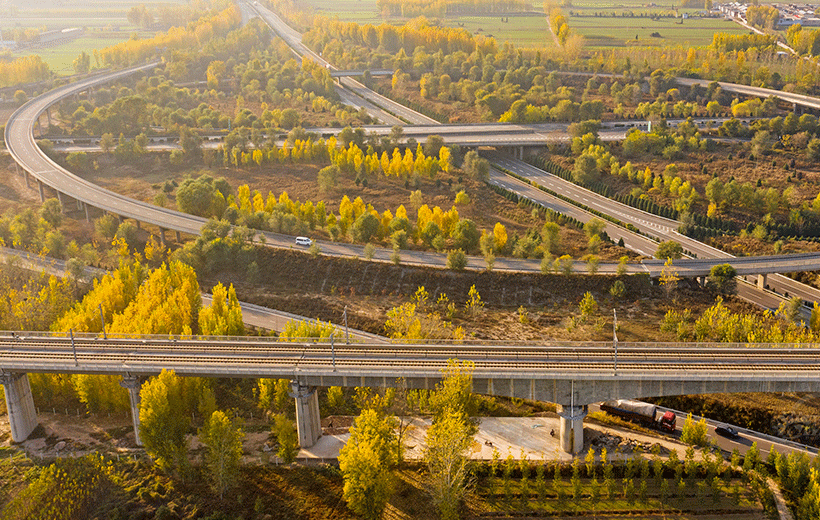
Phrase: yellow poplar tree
x=224 y=316
x=500 y=235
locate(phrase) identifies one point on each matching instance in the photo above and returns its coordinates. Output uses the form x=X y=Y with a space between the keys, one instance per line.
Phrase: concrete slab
x=530 y=435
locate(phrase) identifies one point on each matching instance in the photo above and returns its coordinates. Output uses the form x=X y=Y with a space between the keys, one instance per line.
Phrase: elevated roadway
x=663 y=229
x=22 y=147
x=798 y=100
x=19 y=137
x=353 y=93
x=656 y=227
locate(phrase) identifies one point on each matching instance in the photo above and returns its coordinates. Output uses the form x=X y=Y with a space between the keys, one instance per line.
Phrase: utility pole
x=74 y=347
x=347 y=331
x=333 y=351
x=102 y=320
x=615 y=338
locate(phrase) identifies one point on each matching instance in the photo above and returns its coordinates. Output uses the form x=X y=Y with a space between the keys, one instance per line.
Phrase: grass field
x=106 y=23
x=59 y=58
x=619 y=32
x=532 y=31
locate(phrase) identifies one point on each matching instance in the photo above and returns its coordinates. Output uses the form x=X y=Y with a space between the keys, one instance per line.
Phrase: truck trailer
x=641 y=413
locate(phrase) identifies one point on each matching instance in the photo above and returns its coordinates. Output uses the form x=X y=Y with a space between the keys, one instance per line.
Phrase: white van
x=303 y=241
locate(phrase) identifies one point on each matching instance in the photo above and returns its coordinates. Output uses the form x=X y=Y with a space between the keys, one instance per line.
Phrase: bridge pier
x=20 y=405
x=87 y=216
x=42 y=193
x=761 y=281
x=134 y=385
x=308 y=424
x=25 y=177
x=60 y=198
x=571 y=428
x=179 y=237
x=162 y=236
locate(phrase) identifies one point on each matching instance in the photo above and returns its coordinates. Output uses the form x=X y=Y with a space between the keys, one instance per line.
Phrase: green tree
x=107 y=142
x=52 y=212
x=456 y=260
x=669 y=249
x=328 y=177
x=164 y=421
x=813 y=150
x=287 y=437
x=365 y=227
x=82 y=63
x=223 y=440
x=475 y=166
x=585 y=170
x=448 y=443
x=594 y=227
x=466 y=235
x=722 y=278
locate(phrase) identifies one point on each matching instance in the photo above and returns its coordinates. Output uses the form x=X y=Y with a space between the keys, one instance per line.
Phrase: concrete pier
x=571 y=428
x=134 y=385
x=20 y=405
x=308 y=423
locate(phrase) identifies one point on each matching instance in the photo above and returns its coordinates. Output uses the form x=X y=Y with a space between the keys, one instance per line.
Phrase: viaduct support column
x=571 y=428
x=20 y=405
x=134 y=385
x=62 y=204
x=87 y=216
x=162 y=236
x=179 y=237
x=308 y=423
x=42 y=194
x=761 y=281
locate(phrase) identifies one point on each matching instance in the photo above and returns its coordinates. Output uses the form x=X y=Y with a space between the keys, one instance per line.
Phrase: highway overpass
x=572 y=375
x=22 y=147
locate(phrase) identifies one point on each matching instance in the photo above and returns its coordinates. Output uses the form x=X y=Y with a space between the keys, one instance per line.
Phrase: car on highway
x=727 y=431
x=304 y=241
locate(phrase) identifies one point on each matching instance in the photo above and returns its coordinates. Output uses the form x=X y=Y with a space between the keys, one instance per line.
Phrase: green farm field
x=599 y=32
x=60 y=57
x=620 y=32
x=106 y=24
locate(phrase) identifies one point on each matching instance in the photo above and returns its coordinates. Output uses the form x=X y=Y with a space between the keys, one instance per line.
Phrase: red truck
x=641 y=413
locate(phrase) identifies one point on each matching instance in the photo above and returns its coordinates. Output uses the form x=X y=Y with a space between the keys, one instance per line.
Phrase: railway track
x=150 y=354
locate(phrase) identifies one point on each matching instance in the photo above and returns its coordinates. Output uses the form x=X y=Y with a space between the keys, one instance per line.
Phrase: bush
x=456 y=260
x=694 y=433
x=617 y=289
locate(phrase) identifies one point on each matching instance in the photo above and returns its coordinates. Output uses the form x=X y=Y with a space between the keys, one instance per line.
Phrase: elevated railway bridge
x=570 y=374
